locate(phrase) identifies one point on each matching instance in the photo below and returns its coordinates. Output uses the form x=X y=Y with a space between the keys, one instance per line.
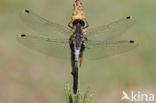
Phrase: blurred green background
x=30 y=77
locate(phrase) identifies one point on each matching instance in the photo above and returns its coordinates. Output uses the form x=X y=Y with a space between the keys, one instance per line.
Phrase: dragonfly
x=60 y=41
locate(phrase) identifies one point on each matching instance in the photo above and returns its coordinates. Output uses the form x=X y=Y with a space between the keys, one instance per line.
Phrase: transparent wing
x=98 y=50
x=44 y=27
x=46 y=46
x=110 y=31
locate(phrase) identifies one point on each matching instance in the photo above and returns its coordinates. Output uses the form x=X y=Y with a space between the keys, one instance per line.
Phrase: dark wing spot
x=128 y=17
x=27 y=11
x=131 y=41
x=23 y=35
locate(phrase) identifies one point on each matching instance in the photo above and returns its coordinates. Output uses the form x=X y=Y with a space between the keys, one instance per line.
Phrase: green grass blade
x=90 y=98
x=85 y=96
x=78 y=97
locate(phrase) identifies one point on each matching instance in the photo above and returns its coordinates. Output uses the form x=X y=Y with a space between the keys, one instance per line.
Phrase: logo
x=138 y=97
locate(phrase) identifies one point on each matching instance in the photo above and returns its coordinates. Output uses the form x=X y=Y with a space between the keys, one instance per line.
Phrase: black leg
x=87 y=25
x=69 y=25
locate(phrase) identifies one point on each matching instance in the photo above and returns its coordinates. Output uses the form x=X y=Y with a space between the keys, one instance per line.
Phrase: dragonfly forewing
x=44 y=27
x=111 y=31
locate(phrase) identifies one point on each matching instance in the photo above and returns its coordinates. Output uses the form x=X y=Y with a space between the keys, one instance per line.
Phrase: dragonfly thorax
x=77 y=41
x=78 y=37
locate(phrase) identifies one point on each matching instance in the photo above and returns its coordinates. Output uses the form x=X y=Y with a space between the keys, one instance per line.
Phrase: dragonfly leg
x=70 y=25
x=87 y=25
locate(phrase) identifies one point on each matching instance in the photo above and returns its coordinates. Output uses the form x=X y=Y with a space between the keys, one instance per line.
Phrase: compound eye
x=81 y=22
x=75 y=22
